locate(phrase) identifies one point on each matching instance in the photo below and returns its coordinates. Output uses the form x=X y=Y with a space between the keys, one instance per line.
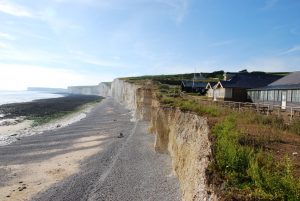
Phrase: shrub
x=274 y=181
x=231 y=158
x=167 y=101
x=244 y=167
x=295 y=127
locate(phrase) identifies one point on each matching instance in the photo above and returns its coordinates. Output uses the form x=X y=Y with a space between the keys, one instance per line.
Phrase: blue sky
x=57 y=43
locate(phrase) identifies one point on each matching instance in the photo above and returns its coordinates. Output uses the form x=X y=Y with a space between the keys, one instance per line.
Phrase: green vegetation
x=46 y=119
x=40 y=119
x=250 y=169
x=242 y=161
x=170 y=96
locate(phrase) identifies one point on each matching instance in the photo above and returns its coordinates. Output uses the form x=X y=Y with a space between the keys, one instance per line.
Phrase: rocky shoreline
x=16 y=119
x=44 y=107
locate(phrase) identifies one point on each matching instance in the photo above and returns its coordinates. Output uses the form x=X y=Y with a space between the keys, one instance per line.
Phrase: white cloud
x=180 y=8
x=6 y=36
x=19 y=77
x=222 y=43
x=14 y=9
x=273 y=64
x=291 y=50
x=3 y=46
x=107 y=63
x=270 y=4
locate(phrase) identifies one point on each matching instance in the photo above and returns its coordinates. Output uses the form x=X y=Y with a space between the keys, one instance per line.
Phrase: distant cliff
x=102 y=89
x=49 y=90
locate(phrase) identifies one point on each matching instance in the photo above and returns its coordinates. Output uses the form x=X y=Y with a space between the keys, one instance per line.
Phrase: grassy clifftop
x=255 y=157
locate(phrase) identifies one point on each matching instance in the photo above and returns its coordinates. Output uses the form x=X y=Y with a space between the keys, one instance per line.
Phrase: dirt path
x=86 y=161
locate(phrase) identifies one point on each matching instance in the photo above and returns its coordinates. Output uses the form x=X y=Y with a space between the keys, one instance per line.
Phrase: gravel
x=126 y=168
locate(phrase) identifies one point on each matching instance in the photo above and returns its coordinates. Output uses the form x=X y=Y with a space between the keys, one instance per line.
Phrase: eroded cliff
x=183 y=135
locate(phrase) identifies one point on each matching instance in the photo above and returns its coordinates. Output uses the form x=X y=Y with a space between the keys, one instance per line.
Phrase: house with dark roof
x=236 y=88
x=194 y=86
x=285 y=89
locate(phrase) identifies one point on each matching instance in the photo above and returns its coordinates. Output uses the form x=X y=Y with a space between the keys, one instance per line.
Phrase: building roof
x=291 y=81
x=250 y=80
x=187 y=83
x=210 y=84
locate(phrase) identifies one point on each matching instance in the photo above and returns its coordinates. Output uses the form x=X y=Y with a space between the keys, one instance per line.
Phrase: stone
x=121 y=135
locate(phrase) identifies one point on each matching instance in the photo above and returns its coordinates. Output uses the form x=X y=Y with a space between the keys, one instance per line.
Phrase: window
x=275 y=95
x=271 y=95
x=289 y=96
x=279 y=98
x=264 y=96
x=296 y=96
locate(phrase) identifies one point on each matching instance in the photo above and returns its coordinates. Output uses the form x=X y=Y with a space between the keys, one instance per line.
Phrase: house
x=236 y=88
x=210 y=89
x=194 y=86
x=285 y=89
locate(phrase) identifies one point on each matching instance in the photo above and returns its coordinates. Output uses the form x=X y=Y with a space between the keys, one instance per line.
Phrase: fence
x=265 y=109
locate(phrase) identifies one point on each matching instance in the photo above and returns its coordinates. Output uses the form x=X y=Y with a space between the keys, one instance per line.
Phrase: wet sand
x=14 y=126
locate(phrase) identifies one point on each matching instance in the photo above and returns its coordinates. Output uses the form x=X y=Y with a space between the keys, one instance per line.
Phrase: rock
x=58 y=126
x=22 y=188
x=121 y=135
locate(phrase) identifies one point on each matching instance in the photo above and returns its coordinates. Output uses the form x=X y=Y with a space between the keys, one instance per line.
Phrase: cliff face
x=103 y=89
x=183 y=135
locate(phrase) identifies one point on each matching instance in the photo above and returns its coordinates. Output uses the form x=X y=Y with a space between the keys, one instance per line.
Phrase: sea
x=24 y=96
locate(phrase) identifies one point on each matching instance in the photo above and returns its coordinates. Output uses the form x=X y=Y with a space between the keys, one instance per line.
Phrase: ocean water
x=24 y=96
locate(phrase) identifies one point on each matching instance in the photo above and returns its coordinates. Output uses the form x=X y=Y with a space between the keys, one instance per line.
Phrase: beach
x=18 y=120
x=88 y=161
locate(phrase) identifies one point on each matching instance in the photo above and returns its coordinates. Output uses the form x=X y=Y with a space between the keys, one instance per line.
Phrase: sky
x=58 y=43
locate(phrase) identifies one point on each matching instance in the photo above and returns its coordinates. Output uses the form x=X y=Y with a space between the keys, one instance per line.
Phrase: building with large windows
x=236 y=88
x=285 y=89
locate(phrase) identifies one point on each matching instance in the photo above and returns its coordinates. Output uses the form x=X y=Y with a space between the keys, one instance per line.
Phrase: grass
x=247 y=168
x=189 y=105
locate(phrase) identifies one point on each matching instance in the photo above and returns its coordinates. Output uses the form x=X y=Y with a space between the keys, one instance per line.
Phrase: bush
x=244 y=167
x=271 y=121
x=167 y=101
x=231 y=158
x=295 y=127
x=274 y=182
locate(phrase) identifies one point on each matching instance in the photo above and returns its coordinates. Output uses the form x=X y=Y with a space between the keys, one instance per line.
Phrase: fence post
x=291 y=117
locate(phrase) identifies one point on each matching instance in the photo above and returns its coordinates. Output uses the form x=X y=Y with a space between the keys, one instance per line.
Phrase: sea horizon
x=20 y=96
